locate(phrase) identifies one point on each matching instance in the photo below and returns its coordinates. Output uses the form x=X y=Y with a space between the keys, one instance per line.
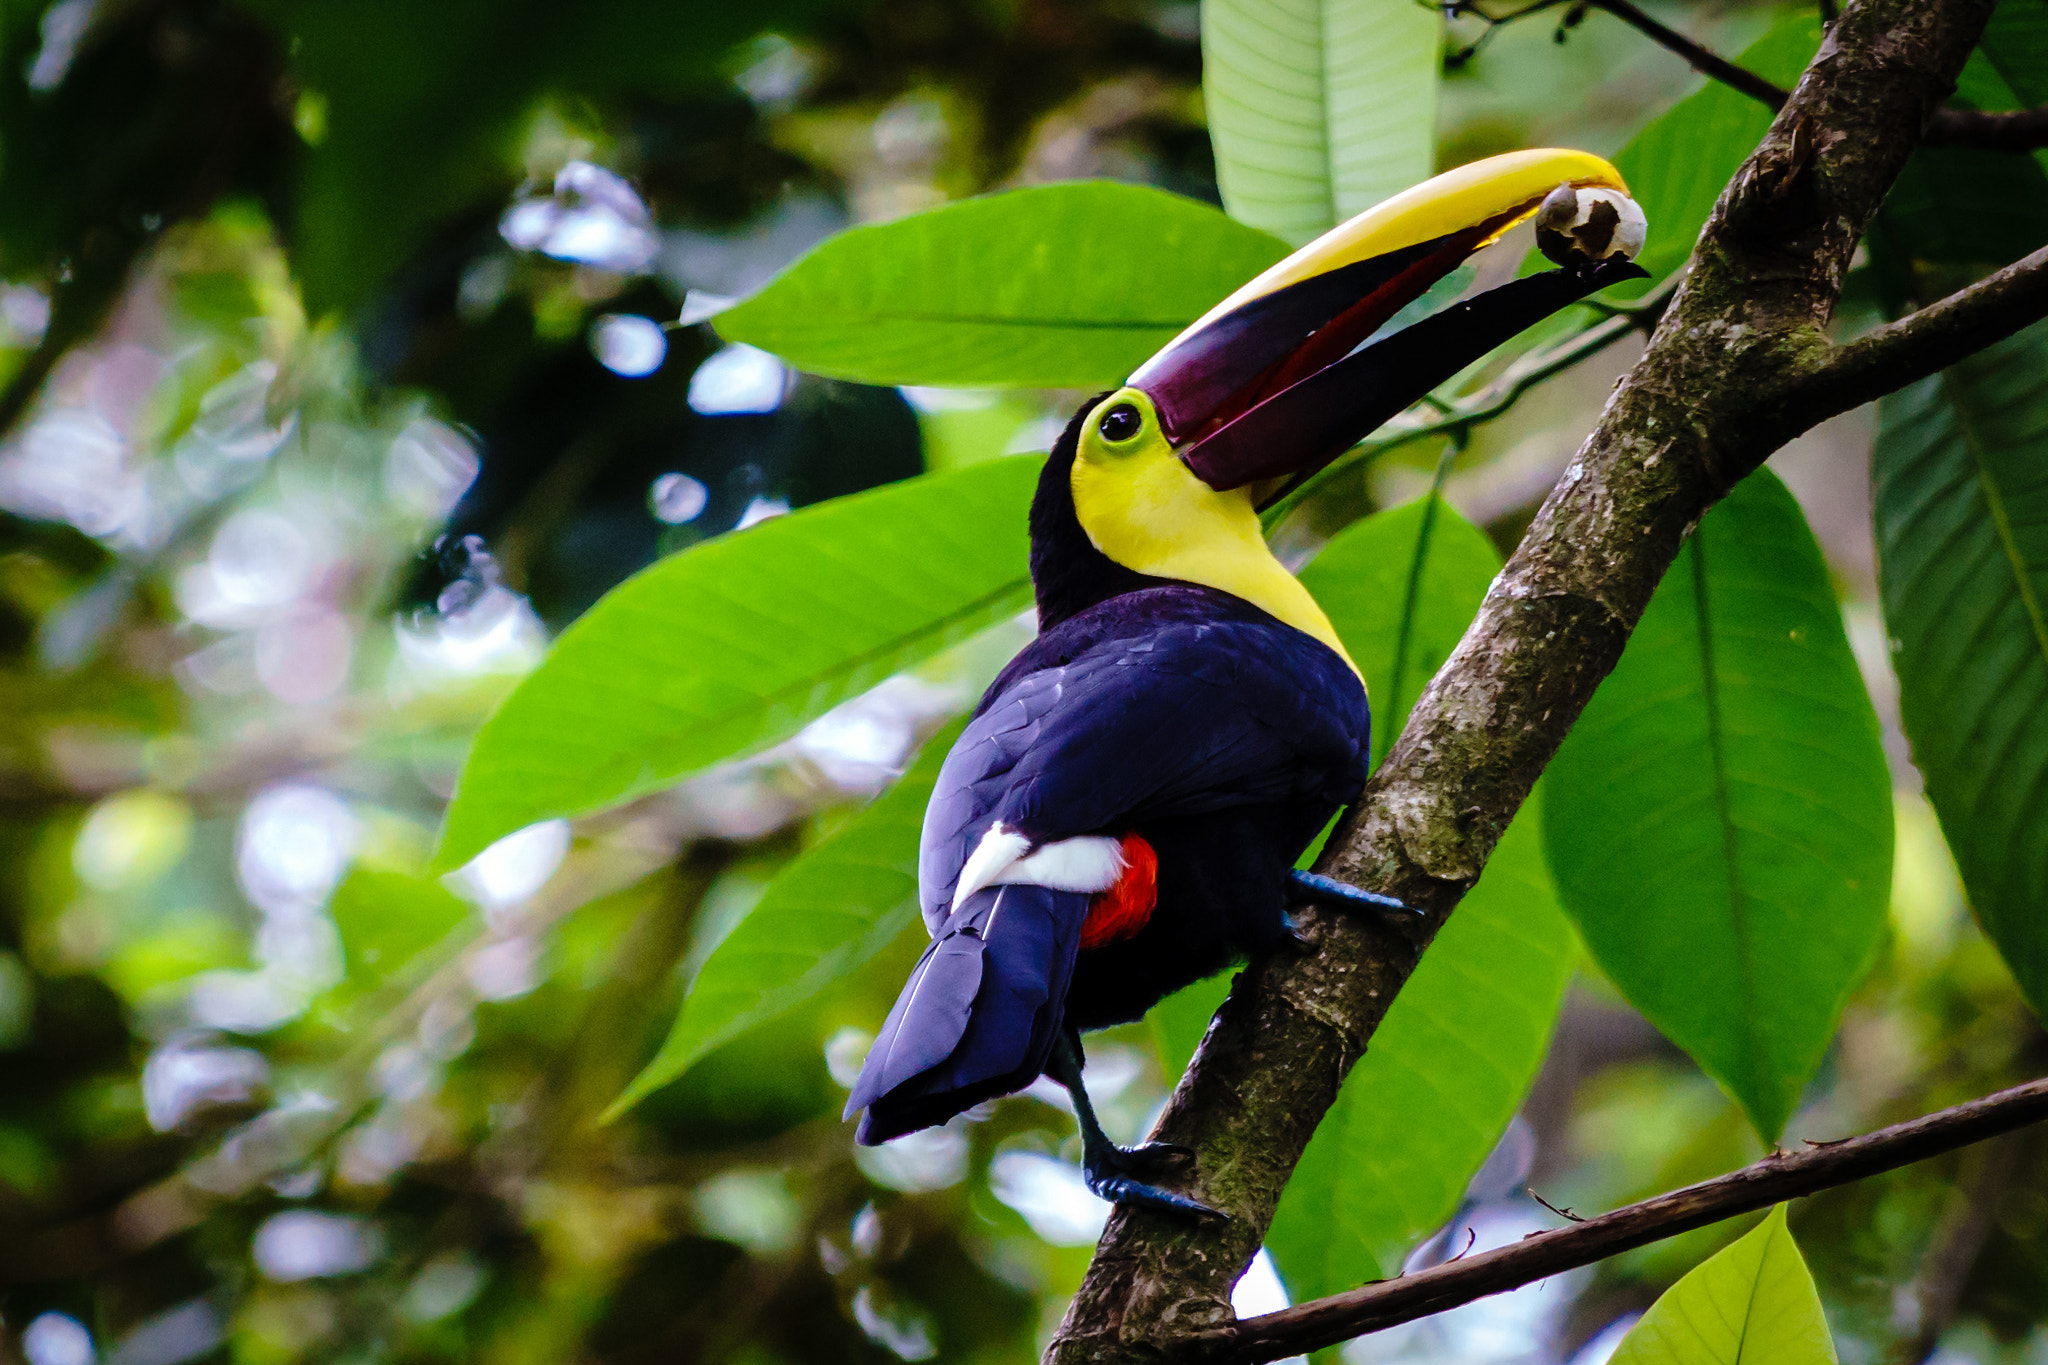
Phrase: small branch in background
x=1775 y=1179
x=1928 y=1304
x=2020 y=130
x=1701 y=58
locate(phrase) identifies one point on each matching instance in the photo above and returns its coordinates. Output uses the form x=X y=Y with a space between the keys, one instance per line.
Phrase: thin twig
x=1775 y=1179
x=2019 y=130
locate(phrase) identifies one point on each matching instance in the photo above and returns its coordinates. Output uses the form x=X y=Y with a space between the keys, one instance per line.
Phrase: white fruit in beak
x=1589 y=224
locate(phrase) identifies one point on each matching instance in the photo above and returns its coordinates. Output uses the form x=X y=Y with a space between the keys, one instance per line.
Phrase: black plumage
x=1223 y=737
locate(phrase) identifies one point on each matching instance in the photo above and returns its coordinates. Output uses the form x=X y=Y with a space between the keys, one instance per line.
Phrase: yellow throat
x=1142 y=508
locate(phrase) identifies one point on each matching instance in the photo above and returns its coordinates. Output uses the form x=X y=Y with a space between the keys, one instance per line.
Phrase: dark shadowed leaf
x=1062 y=286
x=1962 y=526
x=1318 y=109
x=736 y=643
x=1720 y=820
x=824 y=916
x=1753 y=1303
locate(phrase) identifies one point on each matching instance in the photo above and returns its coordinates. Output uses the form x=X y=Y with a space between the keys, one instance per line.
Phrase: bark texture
x=1729 y=377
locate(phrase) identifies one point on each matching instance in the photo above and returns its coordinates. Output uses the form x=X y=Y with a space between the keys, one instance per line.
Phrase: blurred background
x=339 y=368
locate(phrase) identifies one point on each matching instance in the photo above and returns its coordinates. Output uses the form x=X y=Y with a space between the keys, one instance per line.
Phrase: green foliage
x=1753 y=1303
x=1064 y=286
x=738 y=642
x=1720 y=819
x=1962 y=528
x=467 y=72
x=1318 y=109
x=1965 y=205
x=825 y=916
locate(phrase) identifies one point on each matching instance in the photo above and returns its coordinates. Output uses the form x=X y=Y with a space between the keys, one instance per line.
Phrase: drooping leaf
x=1458 y=1049
x=1962 y=533
x=824 y=916
x=1318 y=109
x=1752 y=1303
x=1059 y=286
x=1677 y=166
x=736 y=643
x=1445 y=1073
x=1720 y=819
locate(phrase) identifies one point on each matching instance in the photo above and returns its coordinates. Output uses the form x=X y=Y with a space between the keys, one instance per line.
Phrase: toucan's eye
x=1120 y=423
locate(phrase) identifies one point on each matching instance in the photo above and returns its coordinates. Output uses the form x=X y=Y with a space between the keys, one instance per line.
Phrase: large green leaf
x=1962 y=529
x=824 y=916
x=1677 y=166
x=1458 y=1049
x=1062 y=286
x=736 y=643
x=1720 y=819
x=1318 y=109
x=1751 y=1303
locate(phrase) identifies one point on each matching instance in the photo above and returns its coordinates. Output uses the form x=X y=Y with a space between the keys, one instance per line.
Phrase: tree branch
x=1700 y=58
x=2020 y=130
x=1919 y=344
x=1775 y=1179
x=1705 y=406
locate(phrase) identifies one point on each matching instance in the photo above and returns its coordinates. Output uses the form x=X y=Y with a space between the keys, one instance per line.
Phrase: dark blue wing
x=979 y=1013
x=1182 y=719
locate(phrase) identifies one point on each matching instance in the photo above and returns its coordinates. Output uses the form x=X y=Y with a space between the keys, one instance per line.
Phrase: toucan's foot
x=1117 y=1175
x=1343 y=895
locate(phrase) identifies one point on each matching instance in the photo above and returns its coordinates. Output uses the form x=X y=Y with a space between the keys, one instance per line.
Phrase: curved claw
x=1122 y=1189
x=1329 y=891
x=1114 y=1178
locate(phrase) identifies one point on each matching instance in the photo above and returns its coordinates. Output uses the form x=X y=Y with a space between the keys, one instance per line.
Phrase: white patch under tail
x=1088 y=862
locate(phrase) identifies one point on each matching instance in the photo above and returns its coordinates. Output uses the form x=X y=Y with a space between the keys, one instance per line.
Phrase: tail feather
x=979 y=1013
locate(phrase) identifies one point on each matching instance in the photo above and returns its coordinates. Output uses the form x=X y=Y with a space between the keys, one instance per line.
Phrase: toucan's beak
x=1273 y=383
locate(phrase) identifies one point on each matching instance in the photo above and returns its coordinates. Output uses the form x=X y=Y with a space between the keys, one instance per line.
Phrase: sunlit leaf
x=824 y=916
x=1962 y=530
x=1456 y=1053
x=1720 y=819
x=1318 y=109
x=1677 y=166
x=736 y=643
x=1752 y=1303
x=1060 y=286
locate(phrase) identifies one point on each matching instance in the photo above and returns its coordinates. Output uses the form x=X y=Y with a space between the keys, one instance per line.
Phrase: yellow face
x=1142 y=508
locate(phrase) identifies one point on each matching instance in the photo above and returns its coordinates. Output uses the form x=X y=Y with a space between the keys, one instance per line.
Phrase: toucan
x=1123 y=812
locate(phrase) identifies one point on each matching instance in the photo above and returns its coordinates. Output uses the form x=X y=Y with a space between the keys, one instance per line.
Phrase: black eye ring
x=1121 y=423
